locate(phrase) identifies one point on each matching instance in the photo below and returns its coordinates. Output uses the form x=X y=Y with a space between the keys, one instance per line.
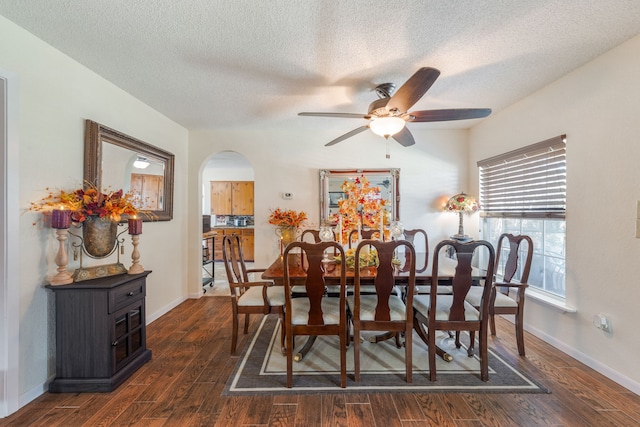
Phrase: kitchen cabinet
x=231 y=197
x=150 y=188
x=100 y=332
x=246 y=239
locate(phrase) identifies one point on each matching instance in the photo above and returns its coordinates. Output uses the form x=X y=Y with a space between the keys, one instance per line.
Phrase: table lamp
x=460 y=204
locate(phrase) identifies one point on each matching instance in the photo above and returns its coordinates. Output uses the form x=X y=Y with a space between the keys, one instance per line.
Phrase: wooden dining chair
x=314 y=313
x=383 y=310
x=364 y=234
x=248 y=297
x=452 y=312
x=412 y=236
x=510 y=251
x=315 y=235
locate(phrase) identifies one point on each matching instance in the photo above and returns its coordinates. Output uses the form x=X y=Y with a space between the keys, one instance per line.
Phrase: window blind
x=529 y=182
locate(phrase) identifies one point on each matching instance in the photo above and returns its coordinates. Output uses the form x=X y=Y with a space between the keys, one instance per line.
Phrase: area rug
x=261 y=369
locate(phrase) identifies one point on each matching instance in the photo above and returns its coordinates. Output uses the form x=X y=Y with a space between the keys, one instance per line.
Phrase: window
x=524 y=192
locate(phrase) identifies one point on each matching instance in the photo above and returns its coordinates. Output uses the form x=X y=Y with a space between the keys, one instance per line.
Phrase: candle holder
x=63 y=277
x=136 y=267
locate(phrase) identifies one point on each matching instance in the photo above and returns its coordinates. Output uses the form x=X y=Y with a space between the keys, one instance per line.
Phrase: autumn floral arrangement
x=88 y=201
x=367 y=258
x=287 y=218
x=362 y=205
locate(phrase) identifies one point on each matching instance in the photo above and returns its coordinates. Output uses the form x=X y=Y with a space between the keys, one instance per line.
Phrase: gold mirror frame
x=96 y=134
x=330 y=179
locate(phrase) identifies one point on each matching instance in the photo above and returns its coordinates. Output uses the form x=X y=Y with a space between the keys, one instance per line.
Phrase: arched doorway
x=9 y=229
x=224 y=169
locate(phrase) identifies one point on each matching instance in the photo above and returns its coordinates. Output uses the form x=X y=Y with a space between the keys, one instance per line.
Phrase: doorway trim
x=10 y=249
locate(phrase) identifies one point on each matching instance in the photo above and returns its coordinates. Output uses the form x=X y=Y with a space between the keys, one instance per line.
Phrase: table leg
x=440 y=352
x=305 y=349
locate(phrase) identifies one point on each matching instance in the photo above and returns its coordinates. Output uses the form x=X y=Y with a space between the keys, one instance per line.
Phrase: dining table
x=297 y=273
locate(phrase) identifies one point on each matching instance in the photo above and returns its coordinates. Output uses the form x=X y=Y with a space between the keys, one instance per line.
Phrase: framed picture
x=334 y=196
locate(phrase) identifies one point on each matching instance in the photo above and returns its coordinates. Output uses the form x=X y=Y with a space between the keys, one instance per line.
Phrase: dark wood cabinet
x=100 y=332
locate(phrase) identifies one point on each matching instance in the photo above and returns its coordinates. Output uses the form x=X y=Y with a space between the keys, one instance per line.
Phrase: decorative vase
x=99 y=235
x=287 y=234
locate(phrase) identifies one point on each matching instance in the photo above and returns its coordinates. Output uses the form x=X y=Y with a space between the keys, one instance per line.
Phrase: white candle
x=382 y=226
x=340 y=229
x=359 y=230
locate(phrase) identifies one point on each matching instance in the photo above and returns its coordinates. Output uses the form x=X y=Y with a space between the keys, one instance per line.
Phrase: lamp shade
x=386 y=126
x=462 y=203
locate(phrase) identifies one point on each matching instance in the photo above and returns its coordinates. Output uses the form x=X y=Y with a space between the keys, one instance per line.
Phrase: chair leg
x=356 y=351
x=432 y=355
x=408 y=354
x=520 y=332
x=289 y=359
x=343 y=359
x=246 y=323
x=484 y=360
x=234 y=332
x=458 y=345
x=492 y=323
x=472 y=343
x=283 y=348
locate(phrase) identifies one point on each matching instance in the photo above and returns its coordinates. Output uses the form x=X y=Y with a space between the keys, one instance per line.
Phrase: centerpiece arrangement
x=367 y=258
x=288 y=223
x=98 y=212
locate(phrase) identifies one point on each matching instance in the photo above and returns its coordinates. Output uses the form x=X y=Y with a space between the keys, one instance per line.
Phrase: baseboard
x=34 y=393
x=598 y=366
x=164 y=310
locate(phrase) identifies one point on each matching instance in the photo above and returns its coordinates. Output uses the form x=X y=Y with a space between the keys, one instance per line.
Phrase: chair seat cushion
x=330 y=311
x=443 y=304
x=397 y=309
x=475 y=295
x=275 y=294
x=253 y=296
x=442 y=289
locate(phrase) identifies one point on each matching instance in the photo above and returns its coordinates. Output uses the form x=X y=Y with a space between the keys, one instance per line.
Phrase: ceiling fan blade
x=341 y=115
x=447 y=114
x=404 y=137
x=347 y=135
x=413 y=89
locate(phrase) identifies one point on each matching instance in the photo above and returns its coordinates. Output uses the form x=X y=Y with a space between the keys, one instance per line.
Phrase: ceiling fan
x=388 y=114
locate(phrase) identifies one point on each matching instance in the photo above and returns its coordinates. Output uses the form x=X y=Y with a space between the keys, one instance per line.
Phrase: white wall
x=597 y=107
x=286 y=161
x=56 y=95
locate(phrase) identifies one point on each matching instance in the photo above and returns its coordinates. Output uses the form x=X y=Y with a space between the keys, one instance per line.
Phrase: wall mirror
x=331 y=180
x=113 y=160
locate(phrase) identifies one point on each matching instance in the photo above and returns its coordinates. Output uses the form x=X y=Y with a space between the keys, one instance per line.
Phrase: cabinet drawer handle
x=115 y=343
x=130 y=294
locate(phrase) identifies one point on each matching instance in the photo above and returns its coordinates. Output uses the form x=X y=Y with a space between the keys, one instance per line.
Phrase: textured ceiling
x=239 y=63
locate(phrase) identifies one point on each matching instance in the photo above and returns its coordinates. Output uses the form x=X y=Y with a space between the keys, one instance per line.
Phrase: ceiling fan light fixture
x=140 y=163
x=386 y=126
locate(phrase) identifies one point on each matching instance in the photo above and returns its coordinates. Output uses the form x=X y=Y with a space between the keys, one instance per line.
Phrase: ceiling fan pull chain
x=388 y=147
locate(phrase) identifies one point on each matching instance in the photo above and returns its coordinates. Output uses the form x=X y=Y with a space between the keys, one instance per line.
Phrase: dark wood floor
x=181 y=386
